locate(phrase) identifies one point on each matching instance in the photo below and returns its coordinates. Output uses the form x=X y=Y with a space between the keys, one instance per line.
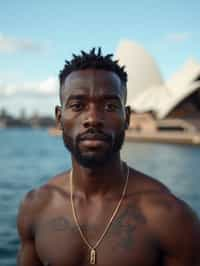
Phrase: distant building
x=36 y=121
x=177 y=98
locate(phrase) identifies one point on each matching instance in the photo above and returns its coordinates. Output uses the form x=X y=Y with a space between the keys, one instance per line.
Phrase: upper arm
x=178 y=231
x=27 y=255
x=183 y=243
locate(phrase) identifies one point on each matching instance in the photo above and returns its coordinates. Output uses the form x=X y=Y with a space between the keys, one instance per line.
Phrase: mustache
x=94 y=133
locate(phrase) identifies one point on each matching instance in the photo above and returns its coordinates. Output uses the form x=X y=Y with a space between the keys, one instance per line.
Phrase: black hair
x=93 y=60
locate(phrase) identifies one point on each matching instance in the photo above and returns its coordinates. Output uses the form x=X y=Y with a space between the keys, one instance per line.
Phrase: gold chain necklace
x=93 y=248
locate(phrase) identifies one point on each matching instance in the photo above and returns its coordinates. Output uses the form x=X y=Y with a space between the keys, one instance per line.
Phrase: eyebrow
x=83 y=97
x=76 y=97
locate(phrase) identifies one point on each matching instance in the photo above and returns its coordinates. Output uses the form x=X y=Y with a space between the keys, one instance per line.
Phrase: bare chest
x=127 y=242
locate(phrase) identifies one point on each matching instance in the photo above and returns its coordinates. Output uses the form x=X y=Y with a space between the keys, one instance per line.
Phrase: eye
x=76 y=106
x=111 y=106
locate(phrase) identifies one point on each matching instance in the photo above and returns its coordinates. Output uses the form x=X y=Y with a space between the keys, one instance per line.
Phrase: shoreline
x=192 y=138
x=175 y=137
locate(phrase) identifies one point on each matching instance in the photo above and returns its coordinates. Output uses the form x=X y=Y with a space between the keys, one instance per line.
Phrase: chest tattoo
x=55 y=224
x=122 y=229
x=125 y=226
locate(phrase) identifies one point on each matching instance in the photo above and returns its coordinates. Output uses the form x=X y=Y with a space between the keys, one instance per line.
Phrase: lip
x=94 y=136
x=93 y=142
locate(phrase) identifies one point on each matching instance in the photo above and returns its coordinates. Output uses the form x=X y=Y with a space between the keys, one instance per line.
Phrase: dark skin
x=152 y=227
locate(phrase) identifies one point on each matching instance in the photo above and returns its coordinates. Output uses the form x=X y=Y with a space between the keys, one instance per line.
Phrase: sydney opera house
x=162 y=111
x=156 y=103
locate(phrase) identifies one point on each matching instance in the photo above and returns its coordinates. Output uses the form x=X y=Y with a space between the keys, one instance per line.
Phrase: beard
x=91 y=159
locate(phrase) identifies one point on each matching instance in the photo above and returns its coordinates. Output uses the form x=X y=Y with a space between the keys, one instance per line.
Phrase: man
x=102 y=211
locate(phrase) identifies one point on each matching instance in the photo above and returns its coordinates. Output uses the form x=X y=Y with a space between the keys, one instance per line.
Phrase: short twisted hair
x=93 y=60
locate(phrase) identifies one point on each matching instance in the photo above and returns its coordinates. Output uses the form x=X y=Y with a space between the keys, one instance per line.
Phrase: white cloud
x=178 y=37
x=12 y=45
x=48 y=87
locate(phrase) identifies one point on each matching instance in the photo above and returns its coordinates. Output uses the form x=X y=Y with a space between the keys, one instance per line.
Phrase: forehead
x=92 y=82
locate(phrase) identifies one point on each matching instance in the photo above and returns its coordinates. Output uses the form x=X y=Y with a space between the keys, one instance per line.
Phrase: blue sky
x=37 y=36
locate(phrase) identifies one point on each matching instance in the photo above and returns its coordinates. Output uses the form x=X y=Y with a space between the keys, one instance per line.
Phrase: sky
x=36 y=37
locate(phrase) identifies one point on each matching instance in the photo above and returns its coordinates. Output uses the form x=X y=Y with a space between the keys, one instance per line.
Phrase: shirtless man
x=103 y=212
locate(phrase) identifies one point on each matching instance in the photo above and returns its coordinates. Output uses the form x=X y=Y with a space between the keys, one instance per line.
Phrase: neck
x=98 y=181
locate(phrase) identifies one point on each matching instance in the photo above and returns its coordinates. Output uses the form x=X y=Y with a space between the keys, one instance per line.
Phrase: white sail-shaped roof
x=146 y=89
x=163 y=99
x=141 y=67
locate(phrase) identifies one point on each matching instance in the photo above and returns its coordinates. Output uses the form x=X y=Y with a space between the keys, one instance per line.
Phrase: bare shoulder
x=34 y=202
x=169 y=218
x=160 y=205
x=174 y=225
x=164 y=207
x=143 y=184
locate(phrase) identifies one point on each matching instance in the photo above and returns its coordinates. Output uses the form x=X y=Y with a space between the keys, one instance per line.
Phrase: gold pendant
x=92 y=256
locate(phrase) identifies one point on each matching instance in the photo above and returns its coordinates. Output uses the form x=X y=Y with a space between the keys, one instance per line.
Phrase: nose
x=94 y=117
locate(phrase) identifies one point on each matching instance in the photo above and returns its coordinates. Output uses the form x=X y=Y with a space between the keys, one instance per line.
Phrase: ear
x=128 y=115
x=58 y=114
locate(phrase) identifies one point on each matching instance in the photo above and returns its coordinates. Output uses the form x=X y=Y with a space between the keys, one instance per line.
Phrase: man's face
x=93 y=116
